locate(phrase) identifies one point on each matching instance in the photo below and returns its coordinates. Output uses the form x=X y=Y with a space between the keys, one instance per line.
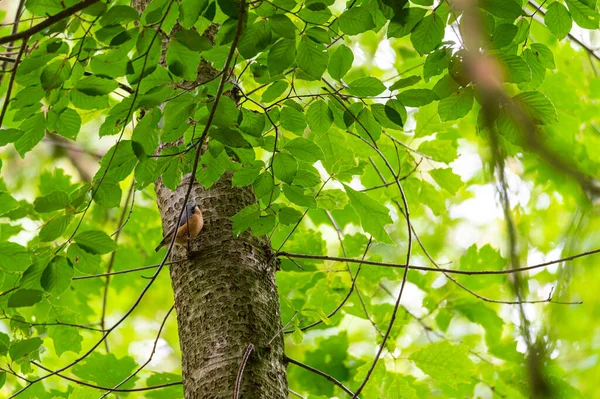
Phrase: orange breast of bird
x=191 y=229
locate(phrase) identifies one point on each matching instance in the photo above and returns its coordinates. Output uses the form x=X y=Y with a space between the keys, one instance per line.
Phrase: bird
x=189 y=226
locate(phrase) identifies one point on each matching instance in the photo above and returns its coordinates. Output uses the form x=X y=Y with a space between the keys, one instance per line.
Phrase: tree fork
x=225 y=296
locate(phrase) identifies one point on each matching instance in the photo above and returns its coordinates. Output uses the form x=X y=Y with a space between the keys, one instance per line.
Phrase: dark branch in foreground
x=47 y=22
x=433 y=269
x=87 y=384
x=240 y=374
x=322 y=374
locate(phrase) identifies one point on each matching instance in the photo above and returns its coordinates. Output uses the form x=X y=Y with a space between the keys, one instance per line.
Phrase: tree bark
x=226 y=296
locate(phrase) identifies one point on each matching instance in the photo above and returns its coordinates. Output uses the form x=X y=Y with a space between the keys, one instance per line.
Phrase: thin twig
x=162 y=325
x=240 y=374
x=434 y=269
x=322 y=374
x=47 y=22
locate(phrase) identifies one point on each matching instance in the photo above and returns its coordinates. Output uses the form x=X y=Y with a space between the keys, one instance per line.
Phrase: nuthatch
x=189 y=227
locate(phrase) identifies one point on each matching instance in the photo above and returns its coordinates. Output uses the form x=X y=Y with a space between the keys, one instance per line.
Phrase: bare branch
x=67 y=12
x=240 y=374
x=434 y=269
x=322 y=374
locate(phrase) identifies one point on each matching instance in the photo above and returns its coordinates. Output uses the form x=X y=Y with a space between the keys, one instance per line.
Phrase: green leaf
x=34 y=130
x=65 y=339
x=373 y=215
x=297 y=336
x=436 y=63
x=307 y=176
x=227 y=113
x=7 y=203
x=189 y=12
x=558 y=20
x=544 y=55
x=4 y=344
x=404 y=21
x=440 y=150
x=395 y=112
x=507 y=9
x=25 y=348
x=457 y=105
x=283 y=26
x=293 y=120
x=486 y=258
x=183 y=54
x=447 y=179
x=68 y=123
x=83 y=261
x=445 y=362
x=285 y=167
x=319 y=117
x=340 y=62
x=263 y=225
x=95 y=242
x=96 y=85
x=255 y=39
x=229 y=137
x=428 y=34
x=52 y=202
x=108 y=195
x=304 y=150
x=117 y=167
x=231 y=8
x=332 y=199
x=54 y=75
x=584 y=15
x=57 y=276
x=296 y=195
x=538 y=106
x=24 y=298
x=274 y=91
x=253 y=122
x=446 y=87
x=356 y=20
x=247 y=175
x=516 y=67
x=281 y=56
x=9 y=136
x=55 y=227
x=406 y=82
x=119 y=15
x=7 y=230
x=366 y=87
x=504 y=35
x=244 y=218
x=312 y=58
x=13 y=257
x=106 y=369
x=417 y=97
x=289 y=216
x=44 y=7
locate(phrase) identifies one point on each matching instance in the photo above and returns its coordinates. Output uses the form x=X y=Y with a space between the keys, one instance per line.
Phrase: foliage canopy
x=368 y=129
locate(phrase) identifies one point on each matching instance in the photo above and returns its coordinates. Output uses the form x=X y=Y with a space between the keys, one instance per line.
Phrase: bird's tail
x=162 y=243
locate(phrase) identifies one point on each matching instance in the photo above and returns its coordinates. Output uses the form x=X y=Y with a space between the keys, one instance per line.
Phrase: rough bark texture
x=226 y=296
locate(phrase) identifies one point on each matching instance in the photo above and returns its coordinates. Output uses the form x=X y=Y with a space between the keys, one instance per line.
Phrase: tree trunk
x=225 y=297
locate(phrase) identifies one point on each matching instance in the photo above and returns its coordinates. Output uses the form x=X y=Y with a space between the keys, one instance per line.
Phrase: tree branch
x=238 y=378
x=87 y=384
x=26 y=34
x=322 y=374
x=433 y=269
